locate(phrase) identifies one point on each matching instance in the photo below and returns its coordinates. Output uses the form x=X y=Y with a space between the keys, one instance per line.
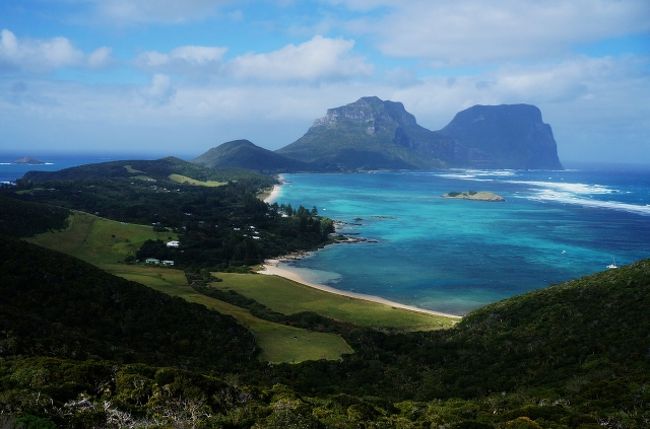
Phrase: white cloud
x=597 y=107
x=42 y=55
x=459 y=32
x=320 y=58
x=160 y=91
x=184 y=58
x=100 y=57
x=365 y=5
x=155 y=11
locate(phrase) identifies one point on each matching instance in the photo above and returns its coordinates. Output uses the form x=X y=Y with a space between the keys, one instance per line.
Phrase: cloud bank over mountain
x=182 y=77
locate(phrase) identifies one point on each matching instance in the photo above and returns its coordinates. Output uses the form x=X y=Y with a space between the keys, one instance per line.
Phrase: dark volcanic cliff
x=371 y=133
x=505 y=136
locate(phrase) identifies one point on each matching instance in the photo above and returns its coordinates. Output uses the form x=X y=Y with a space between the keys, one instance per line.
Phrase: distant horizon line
x=100 y=156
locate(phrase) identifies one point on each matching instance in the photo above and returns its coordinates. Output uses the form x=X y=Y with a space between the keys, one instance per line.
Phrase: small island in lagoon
x=475 y=196
x=28 y=160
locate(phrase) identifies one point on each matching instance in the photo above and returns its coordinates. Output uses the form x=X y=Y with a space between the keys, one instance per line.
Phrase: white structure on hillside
x=173 y=243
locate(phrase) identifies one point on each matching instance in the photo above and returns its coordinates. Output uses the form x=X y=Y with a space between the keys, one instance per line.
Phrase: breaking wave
x=552 y=191
x=574 y=188
x=569 y=198
x=476 y=175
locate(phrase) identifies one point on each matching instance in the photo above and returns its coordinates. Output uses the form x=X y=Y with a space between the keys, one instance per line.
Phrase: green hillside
x=23 y=219
x=587 y=339
x=245 y=154
x=278 y=342
x=56 y=305
x=288 y=297
x=569 y=356
x=99 y=241
x=80 y=347
x=212 y=222
x=151 y=171
x=107 y=244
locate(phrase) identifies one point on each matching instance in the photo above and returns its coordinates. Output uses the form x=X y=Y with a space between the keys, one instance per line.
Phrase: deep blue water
x=10 y=172
x=455 y=255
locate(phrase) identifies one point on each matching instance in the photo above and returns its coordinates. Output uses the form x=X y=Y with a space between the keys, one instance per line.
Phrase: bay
x=456 y=255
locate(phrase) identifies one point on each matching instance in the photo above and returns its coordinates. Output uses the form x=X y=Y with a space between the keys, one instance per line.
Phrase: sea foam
x=568 y=198
x=574 y=188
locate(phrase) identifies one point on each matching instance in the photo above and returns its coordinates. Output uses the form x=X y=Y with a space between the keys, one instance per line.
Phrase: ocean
x=10 y=172
x=456 y=255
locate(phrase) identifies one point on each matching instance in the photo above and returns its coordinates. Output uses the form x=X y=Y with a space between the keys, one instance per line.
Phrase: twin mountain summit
x=375 y=134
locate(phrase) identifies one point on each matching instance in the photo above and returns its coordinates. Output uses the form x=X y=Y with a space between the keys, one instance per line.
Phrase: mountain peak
x=237 y=143
x=245 y=154
x=371 y=111
x=372 y=133
x=369 y=99
x=369 y=133
x=505 y=136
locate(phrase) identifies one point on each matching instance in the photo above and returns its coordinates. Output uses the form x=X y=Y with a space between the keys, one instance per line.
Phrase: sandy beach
x=275 y=192
x=270 y=267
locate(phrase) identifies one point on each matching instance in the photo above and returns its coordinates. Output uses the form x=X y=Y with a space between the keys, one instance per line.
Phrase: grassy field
x=178 y=178
x=279 y=343
x=99 y=241
x=105 y=243
x=288 y=297
x=130 y=169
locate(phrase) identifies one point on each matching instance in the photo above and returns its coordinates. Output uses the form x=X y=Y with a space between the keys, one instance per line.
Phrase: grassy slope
x=99 y=241
x=57 y=305
x=279 y=343
x=288 y=297
x=90 y=238
x=179 y=178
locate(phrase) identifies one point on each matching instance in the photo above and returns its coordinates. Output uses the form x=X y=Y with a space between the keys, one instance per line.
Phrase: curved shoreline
x=275 y=192
x=270 y=267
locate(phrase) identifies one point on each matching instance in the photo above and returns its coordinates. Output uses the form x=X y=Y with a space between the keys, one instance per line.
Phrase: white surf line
x=275 y=192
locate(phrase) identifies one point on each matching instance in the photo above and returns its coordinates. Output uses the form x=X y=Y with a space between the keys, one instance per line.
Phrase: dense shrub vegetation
x=23 y=219
x=81 y=348
x=56 y=305
x=219 y=226
x=552 y=358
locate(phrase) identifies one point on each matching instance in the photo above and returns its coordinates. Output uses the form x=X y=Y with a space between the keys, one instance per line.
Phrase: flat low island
x=475 y=196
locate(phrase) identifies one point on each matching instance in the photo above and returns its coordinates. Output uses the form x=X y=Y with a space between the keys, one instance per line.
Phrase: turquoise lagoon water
x=456 y=255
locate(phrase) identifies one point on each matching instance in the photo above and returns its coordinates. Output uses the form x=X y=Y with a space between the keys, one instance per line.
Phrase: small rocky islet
x=475 y=196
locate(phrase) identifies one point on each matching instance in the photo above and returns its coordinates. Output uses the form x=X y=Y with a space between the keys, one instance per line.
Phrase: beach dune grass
x=184 y=180
x=288 y=297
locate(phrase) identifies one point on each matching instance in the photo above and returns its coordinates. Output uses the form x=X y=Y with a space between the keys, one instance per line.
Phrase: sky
x=175 y=77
